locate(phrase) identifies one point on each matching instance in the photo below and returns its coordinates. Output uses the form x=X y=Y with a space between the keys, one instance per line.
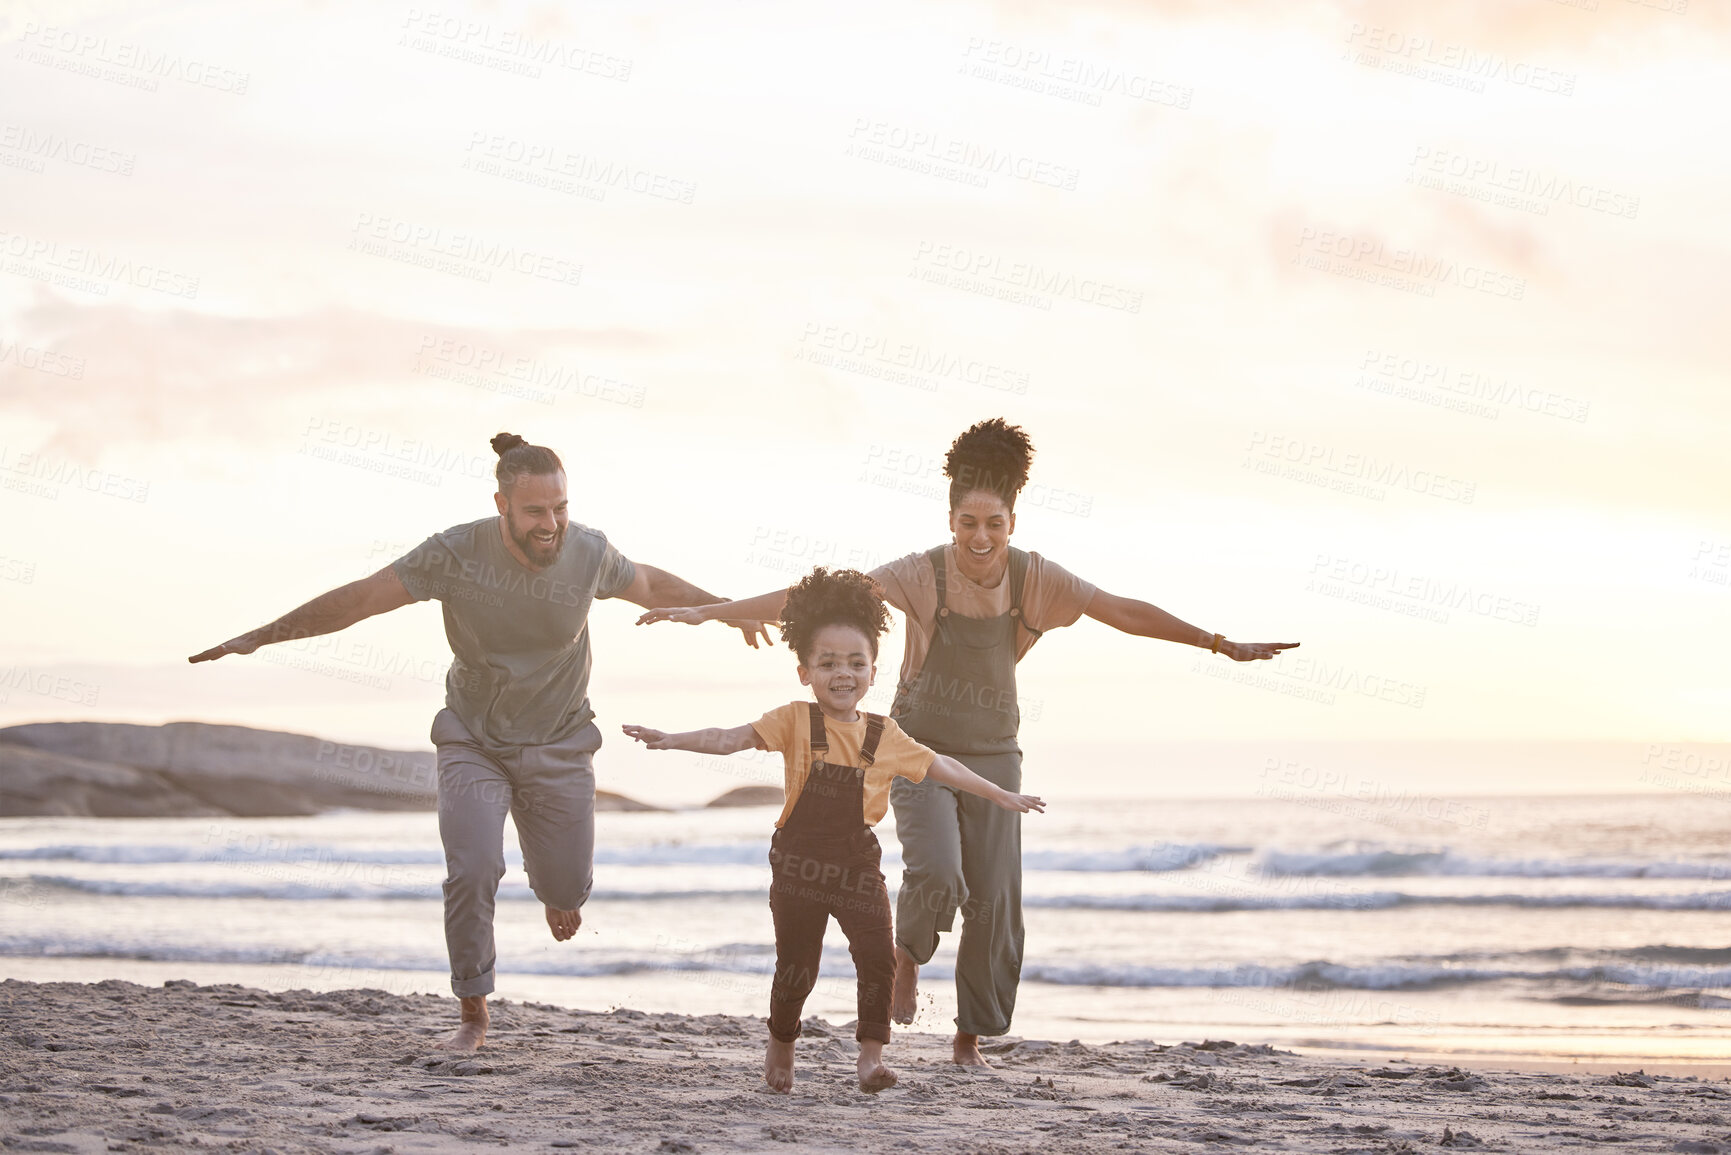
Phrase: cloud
x=161 y=376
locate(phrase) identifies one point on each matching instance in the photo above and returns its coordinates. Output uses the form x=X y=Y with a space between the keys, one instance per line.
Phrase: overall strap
x=874 y=731
x=1018 y=572
x=936 y=557
x=819 y=737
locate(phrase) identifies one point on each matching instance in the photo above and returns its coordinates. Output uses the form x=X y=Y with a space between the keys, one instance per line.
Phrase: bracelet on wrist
x=1214 y=647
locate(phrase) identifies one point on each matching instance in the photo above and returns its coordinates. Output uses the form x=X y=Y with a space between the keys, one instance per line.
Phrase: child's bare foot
x=778 y=1065
x=904 y=993
x=564 y=923
x=967 y=1051
x=471 y=1027
x=873 y=1075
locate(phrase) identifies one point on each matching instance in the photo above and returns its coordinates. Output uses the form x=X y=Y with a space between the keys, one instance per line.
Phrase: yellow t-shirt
x=788 y=729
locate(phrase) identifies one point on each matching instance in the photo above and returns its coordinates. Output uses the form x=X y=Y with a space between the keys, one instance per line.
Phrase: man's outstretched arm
x=656 y=588
x=326 y=614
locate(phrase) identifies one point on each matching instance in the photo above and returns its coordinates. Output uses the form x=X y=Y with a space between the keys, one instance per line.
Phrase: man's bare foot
x=564 y=923
x=471 y=1028
x=873 y=1075
x=904 y=994
x=967 y=1051
x=778 y=1065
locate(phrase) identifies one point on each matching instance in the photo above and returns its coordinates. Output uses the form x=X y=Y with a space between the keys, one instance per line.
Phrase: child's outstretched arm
x=946 y=771
x=714 y=740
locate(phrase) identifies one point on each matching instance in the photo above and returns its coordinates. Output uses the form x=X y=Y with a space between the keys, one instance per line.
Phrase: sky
x=1392 y=329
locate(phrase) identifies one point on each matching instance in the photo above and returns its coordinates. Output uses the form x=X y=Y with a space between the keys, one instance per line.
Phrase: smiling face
x=535 y=513
x=839 y=667
x=982 y=524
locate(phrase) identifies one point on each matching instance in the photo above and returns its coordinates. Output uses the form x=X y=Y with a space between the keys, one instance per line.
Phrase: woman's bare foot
x=778 y=1065
x=564 y=923
x=967 y=1051
x=904 y=994
x=471 y=1028
x=873 y=1075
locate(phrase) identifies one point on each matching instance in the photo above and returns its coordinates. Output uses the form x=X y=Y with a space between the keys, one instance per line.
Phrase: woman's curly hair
x=991 y=455
x=826 y=597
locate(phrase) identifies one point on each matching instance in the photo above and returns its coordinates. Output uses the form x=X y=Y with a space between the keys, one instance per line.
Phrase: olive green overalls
x=960 y=851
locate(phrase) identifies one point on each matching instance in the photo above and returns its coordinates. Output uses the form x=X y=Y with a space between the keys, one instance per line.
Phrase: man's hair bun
x=992 y=455
x=517 y=458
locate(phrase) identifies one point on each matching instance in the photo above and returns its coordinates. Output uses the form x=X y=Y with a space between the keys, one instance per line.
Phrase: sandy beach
x=114 y=1066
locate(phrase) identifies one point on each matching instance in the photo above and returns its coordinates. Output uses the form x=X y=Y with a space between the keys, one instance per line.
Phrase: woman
x=974 y=606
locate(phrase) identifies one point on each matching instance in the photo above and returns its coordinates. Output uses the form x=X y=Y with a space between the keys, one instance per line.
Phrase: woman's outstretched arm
x=1150 y=621
x=653 y=588
x=762 y=608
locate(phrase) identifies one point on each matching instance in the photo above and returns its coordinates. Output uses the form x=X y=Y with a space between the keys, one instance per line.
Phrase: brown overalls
x=825 y=860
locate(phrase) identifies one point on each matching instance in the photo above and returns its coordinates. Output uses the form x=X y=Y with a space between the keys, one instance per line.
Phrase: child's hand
x=688 y=615
x=1021 y=802
x=654 y=739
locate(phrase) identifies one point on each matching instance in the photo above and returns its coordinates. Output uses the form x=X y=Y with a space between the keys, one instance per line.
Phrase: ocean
x=1560 y=928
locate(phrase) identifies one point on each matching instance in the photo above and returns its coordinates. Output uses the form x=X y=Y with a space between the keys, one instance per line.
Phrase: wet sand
x=114 y=1066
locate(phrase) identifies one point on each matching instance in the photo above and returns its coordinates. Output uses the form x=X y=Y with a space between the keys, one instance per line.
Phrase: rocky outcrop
x=189 y=769
x=35 y=782
x=750 y=796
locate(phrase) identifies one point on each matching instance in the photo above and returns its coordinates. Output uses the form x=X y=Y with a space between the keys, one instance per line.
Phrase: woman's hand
x=697 y=615
x=686 y=615
x=1252 y=651
x=654 y=739
x=1021 y=802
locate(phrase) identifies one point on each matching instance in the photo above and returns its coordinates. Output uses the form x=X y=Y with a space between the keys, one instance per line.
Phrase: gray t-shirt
x=519 y=637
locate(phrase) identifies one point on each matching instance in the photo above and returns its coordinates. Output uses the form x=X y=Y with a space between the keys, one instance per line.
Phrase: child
x=838 y=770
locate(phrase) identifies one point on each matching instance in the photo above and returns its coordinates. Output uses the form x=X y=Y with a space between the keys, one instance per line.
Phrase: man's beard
x=535 y=551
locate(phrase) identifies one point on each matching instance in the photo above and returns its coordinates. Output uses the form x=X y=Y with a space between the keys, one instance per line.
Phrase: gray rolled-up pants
x=549 y=792
x=962 y=852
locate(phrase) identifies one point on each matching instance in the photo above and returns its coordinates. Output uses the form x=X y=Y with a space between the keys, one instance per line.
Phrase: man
x=517 y=732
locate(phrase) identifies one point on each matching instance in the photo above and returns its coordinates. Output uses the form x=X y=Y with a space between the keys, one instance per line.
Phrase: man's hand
x=245 y=644
x=751 y=630
x=1252 y=651
x=697 y=615
x=326 y=614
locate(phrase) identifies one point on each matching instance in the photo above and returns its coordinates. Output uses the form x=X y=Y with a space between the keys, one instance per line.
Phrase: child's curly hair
x=825 y=597
x=991 y=455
